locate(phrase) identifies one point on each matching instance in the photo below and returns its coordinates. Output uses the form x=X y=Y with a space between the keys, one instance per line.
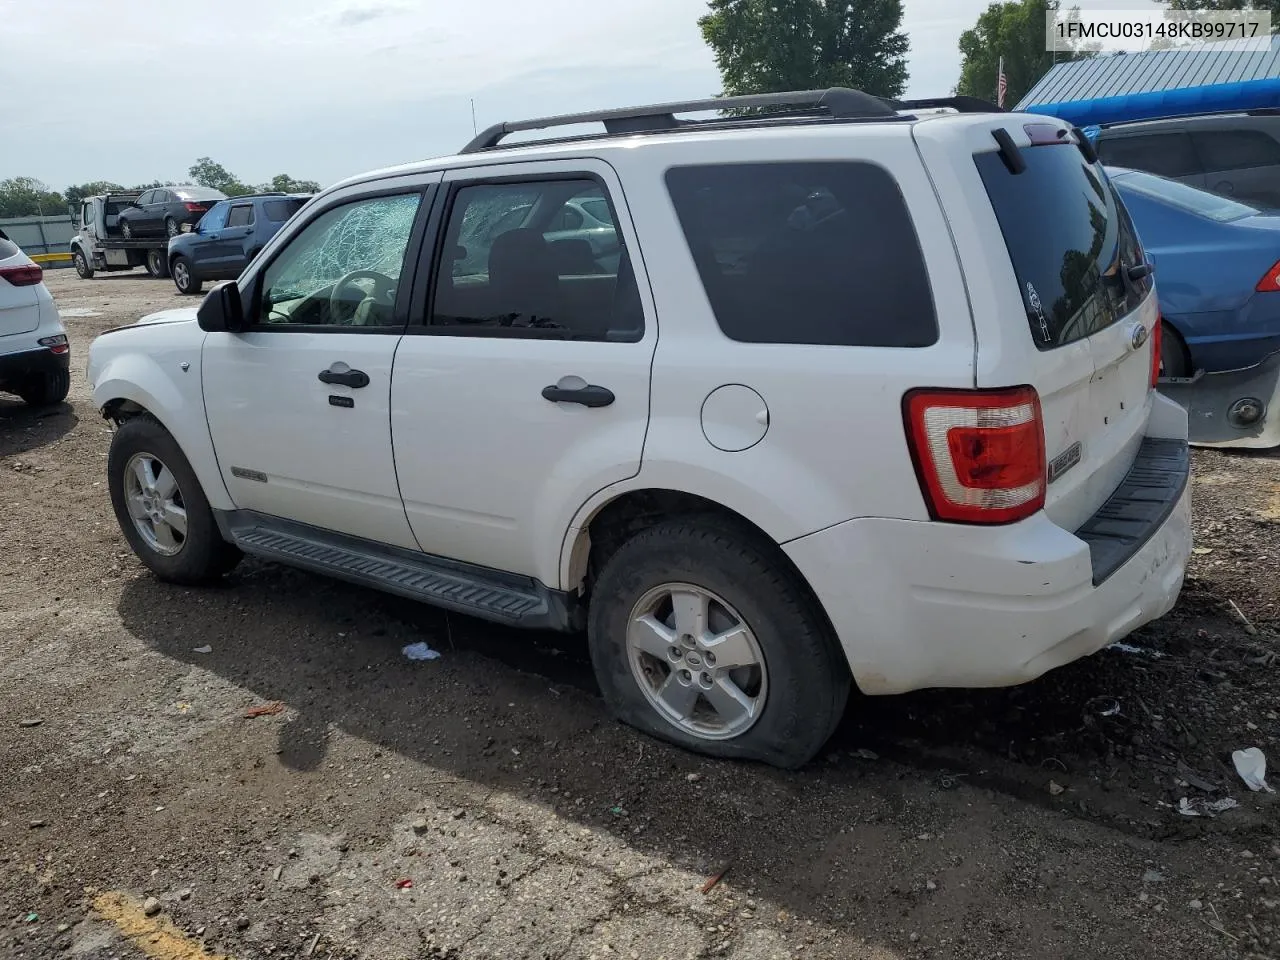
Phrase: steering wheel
x=383 y=292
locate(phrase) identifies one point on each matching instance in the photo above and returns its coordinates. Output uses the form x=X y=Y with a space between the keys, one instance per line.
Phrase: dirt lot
x=1035 y=822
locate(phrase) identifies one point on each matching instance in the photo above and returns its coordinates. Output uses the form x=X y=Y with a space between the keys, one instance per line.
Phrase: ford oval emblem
x=1137 y=336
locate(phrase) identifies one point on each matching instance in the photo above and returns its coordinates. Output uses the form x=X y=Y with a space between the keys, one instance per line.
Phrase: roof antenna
x=473 y=116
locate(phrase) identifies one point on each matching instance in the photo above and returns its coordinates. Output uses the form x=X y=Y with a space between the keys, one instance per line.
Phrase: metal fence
x=45 y=239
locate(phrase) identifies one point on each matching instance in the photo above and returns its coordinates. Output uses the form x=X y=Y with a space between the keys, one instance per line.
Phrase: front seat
x=523 y=279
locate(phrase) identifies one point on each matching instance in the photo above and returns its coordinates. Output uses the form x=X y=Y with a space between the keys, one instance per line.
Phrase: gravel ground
x=1034 y=822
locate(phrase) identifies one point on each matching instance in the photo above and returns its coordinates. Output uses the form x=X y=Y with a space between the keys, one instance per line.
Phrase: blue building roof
x=1114 y=75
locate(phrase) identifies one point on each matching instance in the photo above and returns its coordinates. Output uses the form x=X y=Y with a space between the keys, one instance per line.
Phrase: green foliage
x=27 y=197
x=1015 y=31
x=286 y=184
x=207 y=173
x=768 y=46
x=1271 y=5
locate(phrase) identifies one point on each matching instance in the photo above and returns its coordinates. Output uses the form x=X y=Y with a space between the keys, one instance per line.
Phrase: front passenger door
x=299 y=404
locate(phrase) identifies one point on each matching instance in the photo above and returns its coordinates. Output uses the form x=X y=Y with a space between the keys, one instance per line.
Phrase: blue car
x=1217 y=272
x=228 y=237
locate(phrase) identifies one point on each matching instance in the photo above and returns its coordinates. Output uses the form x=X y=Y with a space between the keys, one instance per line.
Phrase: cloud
x=354 y=16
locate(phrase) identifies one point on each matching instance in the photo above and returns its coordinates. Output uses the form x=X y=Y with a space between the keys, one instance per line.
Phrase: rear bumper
x=944 y=605
x=17 y=366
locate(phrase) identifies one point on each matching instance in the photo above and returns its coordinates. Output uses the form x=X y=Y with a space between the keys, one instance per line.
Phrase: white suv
x=34 y=354
x=853 y=395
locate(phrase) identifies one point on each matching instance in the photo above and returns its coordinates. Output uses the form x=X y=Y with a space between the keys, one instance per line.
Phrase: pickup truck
x=99 y=246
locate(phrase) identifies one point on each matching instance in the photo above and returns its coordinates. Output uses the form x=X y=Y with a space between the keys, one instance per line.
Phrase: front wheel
x=161 y=508
x=84 y=269
x=701 y=635
x=46 y=389
x=126 y=231
x=184 y=278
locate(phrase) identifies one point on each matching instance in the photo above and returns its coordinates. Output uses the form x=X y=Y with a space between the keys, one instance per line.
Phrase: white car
x=866 y=399
x=34 y=353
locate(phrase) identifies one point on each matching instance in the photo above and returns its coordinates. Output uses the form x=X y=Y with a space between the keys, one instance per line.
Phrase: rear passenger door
x=526 y=389
x=1241 y=164
x=230 y=254
x=1171 y=155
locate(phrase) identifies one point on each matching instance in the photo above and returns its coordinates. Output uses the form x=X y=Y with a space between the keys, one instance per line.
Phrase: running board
x=490 y=594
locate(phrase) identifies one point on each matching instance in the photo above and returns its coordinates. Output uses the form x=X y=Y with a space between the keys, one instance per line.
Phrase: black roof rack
x=960 y=104
x=837 y=103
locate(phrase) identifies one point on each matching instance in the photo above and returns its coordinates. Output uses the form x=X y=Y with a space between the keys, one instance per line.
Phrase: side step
x=491 y=594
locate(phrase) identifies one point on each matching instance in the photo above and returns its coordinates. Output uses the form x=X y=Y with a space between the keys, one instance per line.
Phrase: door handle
x=590 y=395
x=348 y=378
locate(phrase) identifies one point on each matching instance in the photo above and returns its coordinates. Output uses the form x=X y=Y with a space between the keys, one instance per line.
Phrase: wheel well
x=119 y=410
x=622 y=518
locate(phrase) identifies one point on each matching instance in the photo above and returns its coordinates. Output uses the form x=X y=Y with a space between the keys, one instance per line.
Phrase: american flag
x=1002 y=85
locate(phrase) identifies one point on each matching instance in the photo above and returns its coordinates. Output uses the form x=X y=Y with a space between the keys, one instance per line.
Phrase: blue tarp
x=1214 y=98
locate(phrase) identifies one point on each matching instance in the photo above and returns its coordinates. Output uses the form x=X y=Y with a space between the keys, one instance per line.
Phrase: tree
x=284 y=183
x=207 y=173
x=1015 y=31
x=1271 y=5
x=768 y=46
x=91 y=189
x=28 y=197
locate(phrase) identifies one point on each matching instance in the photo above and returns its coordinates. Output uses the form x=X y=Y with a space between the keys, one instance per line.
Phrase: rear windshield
x=1069 y=238
x=278 y=211
x=818 y=253
x=1200 y=202
x=199 y=193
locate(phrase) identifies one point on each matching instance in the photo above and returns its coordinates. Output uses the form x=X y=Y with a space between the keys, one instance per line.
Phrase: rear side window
x=7 y=248
x=1236 y=149
x=278 y=211
x=1070 y=240
x=820 y=253
x=1168 y=154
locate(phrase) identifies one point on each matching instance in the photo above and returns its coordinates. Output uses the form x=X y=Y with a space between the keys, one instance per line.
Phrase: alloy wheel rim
x=155 y=504
x=697 y=661
x=181 y=275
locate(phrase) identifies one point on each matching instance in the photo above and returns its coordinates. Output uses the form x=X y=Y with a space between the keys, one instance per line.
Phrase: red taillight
x=1270 y=282
x=979 y=454
x=1157 y=337
x=27 y=275
x=195 y=207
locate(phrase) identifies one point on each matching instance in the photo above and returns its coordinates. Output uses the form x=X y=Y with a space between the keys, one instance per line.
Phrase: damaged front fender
x=1234 y=408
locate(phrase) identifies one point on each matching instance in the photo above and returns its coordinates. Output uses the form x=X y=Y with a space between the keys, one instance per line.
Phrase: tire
x=157 y=264
x=126 y=231
x=171 y=228
x=1174 y=361
x=84 y=266
x=201 y=555
x=184 y=276
x=804 y=683
x=46 y=389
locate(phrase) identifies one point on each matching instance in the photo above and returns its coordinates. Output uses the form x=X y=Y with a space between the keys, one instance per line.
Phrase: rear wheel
x=161 y=507
x=702 y=636
x=170 y=227
x=184 y=278
x=46 y=389
x=157 y=266
x=83 y=267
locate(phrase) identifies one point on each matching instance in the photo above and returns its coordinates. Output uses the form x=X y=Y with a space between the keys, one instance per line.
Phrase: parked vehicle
x=1219 y=263
x=34 y=354
x=229 y=236
x=899 y=426
x=1232 y=154
x=100 y=244
x=163 y=211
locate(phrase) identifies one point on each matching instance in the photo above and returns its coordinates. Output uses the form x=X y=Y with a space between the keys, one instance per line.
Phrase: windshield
x=1200 y=202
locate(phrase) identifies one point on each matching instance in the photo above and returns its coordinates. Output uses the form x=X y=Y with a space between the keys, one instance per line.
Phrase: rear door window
x=241 y=215
x=1236 y=149
x=1168 y=154
x=1070 y=240
x=818 y=253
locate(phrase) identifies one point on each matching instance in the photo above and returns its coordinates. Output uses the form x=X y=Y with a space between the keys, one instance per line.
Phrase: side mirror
x=222 y=310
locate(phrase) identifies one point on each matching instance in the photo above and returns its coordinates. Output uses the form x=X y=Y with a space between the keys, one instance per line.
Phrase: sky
x=135 y=91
